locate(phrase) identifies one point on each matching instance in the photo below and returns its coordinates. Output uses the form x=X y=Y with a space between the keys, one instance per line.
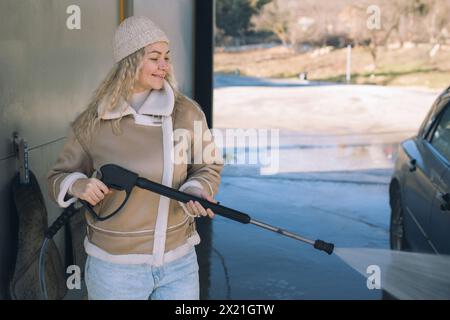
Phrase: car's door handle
x=445 y=201
x=412 y=165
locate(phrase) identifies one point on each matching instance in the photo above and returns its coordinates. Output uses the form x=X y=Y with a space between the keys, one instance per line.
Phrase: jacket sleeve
x=73 y=163
x=206 y=161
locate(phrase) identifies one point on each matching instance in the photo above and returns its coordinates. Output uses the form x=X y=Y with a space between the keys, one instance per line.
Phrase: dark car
x=420 y=186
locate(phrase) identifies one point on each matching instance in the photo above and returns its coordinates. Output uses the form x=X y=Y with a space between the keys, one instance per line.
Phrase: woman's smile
x=159 y=76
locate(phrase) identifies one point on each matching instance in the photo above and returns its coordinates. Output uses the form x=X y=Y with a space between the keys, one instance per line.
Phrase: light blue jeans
x=176 y=280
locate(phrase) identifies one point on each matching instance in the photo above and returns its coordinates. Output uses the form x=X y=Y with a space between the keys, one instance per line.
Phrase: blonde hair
x=118 y=83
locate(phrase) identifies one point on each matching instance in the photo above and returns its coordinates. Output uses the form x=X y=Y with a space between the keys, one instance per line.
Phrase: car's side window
x=441 y=135
x=425 y=127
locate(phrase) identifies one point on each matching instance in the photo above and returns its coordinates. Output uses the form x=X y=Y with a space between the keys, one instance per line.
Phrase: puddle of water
x=313 y=158
x=405 y=275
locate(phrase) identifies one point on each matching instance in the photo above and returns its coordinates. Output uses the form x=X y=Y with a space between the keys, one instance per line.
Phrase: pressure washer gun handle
x=114 y=177
x=119 y=178
x=324 y=246
x=60 y=221
x=216 y=208
x=225 y=211
x=185 y=197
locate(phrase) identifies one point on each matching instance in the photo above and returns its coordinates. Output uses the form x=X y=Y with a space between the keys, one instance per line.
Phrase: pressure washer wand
x=317 y=244
x=120 y=178
x=228 y=212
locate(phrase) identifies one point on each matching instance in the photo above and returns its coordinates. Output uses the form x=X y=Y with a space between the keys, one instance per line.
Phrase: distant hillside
x=408 y=66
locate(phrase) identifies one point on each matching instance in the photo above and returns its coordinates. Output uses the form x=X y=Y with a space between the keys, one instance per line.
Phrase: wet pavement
x=320 y=192
x=330 y=185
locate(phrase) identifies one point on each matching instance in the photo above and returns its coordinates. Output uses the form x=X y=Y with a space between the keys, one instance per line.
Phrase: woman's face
x=155 y=67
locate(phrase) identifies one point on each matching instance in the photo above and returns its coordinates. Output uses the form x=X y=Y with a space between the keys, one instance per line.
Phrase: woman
x=138 y=120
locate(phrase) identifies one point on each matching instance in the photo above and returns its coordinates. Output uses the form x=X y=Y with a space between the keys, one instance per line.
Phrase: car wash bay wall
x=48 y=72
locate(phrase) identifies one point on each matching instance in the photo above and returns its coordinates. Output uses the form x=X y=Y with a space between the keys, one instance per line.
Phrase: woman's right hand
x=91 y=190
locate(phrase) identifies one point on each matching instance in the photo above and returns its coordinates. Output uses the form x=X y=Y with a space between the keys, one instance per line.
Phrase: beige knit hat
x=135 y=33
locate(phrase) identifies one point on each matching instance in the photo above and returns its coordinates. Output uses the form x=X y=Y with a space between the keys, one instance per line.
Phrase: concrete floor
x=348 y=208
x=332 y=184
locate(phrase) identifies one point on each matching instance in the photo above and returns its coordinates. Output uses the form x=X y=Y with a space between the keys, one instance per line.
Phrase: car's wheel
x=397 y=228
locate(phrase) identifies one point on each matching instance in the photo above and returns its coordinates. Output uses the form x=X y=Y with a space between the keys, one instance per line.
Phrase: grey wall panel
x=175 y=17
x=47 y=74
x=47 y=71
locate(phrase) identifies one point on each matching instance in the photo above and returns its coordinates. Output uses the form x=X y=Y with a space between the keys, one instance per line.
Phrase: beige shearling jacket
x=161 y=142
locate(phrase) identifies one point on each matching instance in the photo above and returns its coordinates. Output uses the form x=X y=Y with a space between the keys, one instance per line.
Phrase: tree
x=295 y=22
x=437 y=21
x=277 y=18
x=372 y=24
x=233 y=16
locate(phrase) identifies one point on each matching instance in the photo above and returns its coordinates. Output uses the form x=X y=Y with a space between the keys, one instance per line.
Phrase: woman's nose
x=163 y=65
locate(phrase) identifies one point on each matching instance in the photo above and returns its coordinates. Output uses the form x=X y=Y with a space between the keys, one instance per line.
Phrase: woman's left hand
x=194 y=207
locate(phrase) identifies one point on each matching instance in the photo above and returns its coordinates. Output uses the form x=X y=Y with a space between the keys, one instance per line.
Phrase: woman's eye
x=156 y=59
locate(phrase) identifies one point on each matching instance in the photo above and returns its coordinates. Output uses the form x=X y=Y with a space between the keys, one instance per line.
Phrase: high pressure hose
x=49 y=234
x=42 y=269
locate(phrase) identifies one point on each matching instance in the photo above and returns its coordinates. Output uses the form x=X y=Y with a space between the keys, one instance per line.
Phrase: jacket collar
x=158 y=103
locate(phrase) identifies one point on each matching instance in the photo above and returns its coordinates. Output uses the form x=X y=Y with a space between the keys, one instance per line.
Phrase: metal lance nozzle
x=324 y=246
x=318 y=244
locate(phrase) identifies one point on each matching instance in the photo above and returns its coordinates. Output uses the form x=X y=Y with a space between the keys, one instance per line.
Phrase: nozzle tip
x=324 y=246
